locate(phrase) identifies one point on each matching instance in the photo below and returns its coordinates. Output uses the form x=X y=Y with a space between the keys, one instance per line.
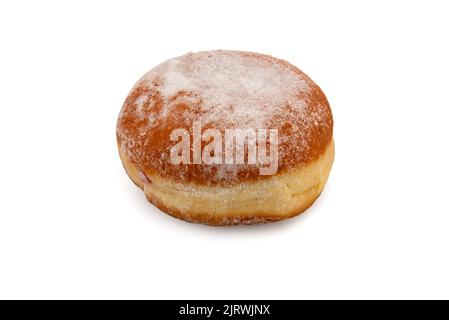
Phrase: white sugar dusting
x=140 y=101
x=236 y=89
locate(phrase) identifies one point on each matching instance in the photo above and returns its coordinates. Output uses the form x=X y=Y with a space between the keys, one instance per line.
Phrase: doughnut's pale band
x=280 y=196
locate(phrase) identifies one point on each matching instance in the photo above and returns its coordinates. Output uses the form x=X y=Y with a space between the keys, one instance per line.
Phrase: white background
x=72 y=225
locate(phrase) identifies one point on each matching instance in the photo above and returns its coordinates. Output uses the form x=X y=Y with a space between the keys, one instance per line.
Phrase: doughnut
x=227 y=137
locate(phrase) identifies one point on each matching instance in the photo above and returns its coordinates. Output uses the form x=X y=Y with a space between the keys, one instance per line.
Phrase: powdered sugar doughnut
x=227 y=137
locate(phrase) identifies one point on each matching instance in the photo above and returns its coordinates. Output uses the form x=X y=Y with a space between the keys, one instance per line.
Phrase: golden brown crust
x=143 y=133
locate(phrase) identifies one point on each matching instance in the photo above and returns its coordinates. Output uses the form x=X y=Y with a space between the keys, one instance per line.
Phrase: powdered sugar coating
x=223 y=90
x=234 y=88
